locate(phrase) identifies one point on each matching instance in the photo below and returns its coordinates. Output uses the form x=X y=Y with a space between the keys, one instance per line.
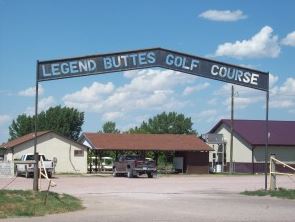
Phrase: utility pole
x=36 y=156
x=231 y=131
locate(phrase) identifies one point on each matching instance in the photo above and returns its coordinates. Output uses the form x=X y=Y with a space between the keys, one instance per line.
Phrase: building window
x=78 y=153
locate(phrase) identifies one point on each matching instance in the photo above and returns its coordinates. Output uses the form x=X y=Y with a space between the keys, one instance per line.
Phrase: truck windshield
x=31 y=157
x=133 y=157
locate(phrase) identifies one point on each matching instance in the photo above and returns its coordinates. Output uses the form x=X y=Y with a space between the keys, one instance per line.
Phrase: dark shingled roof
x=109 y=141
x=282 y=133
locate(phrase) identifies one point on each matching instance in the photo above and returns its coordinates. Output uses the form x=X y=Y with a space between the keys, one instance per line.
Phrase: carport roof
x=173 y=142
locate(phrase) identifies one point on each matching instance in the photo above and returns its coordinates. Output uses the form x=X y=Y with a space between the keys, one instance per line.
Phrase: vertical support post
x=96 y=161
x=231 y=131
x=272 y=170
x=36 y=172
x=267 y=137
x=100 y=163
x=90 y=152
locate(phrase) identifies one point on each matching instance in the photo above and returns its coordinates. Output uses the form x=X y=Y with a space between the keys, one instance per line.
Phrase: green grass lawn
x=280 y=193
x=16 y=203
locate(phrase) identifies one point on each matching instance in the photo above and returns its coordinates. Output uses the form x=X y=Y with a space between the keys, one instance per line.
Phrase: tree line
x=68 y=122
x=63 y=120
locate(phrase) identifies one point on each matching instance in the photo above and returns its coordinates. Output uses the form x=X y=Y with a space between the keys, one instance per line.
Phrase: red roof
x=31 y=136
x=253 y=131
x=173 y=142
x=22 y=139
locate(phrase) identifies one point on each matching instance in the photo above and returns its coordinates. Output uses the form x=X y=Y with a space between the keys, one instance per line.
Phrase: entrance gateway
x=148 y=58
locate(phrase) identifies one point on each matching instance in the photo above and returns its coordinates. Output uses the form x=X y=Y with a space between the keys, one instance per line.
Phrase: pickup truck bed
x=133 y=165
x=27 y=167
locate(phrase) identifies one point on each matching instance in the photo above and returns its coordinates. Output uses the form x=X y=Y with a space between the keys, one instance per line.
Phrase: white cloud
x=273 y=79
x=112 y=116
x=243 y=96
x=289 y=39
x=263 y=44
x=43 y=105
x=213 y=101
x=148 y=80
x=243 y=102
x=191 y=89
x=209 y=116
x=225 y=90
x=207 y=113
x=283 y=96
x=46 y=103
x=288 y=88
x=4 y=119
x=151 y=89
x=281 y=103
x=89 y=98
x=31 y=91
x=223 y=16
x=90 y=94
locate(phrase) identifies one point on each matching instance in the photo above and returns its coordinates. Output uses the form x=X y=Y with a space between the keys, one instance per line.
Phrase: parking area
x=167 y=198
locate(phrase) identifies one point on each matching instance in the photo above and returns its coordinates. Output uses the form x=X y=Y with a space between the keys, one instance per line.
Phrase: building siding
x=243 y=155
x=53 y=145
x=194 y=162
x=242 y=152
x=285 y=154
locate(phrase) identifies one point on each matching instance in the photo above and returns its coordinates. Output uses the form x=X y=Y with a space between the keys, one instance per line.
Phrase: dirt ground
x=166 y=198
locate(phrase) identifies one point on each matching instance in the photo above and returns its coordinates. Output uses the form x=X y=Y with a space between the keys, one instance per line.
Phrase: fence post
x=273 y=182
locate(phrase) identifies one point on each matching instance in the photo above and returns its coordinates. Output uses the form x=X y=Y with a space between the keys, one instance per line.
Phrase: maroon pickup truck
x=134 y=165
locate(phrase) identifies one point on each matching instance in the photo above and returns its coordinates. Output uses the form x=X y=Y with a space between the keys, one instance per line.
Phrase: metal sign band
x=148 y=58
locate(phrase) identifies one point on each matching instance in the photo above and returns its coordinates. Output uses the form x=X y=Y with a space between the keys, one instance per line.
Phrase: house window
x=78 y=153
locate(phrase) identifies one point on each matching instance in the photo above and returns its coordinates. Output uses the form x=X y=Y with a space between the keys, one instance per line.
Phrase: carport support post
x=35 y=182
x=267 y=138
x=100 y=155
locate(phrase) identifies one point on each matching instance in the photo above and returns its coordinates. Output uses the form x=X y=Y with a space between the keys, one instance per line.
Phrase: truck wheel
x=115 y=172
x=49 y=175
x=150 y=175
x=129 y=173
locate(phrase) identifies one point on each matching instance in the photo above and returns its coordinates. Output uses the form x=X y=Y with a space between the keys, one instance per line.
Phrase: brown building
x=190 y=151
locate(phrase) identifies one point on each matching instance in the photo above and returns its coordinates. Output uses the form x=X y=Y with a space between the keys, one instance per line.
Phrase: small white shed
x=71 y=156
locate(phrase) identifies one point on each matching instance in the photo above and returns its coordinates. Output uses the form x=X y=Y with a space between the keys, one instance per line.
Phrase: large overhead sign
x=147 y=58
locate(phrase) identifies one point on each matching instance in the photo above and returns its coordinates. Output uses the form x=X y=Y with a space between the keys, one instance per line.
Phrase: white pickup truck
x=28 y=168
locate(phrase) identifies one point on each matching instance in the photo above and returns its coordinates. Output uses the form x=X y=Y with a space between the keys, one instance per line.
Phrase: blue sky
x=261 y=36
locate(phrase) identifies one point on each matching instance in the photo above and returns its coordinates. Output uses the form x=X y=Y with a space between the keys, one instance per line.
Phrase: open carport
x=191 y=152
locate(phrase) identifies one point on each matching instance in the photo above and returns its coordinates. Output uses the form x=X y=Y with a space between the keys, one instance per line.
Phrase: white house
x=71 y=156
x=249 y=138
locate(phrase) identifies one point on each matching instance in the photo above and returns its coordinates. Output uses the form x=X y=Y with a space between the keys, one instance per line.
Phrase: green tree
x=171 y=123
x=63 y=120
x=22 y=125
x=110 y=127
x=165 y=123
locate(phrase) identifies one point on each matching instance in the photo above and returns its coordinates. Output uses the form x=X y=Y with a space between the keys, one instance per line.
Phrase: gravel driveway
x=168 y=198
